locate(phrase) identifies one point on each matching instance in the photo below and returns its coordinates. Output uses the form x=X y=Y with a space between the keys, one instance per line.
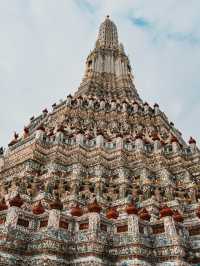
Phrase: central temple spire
x=108 y=37
x=108 y=70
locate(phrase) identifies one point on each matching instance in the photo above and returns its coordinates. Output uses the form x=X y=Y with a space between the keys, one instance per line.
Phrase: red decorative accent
x=76 y=211
x=166 y=211
x=146 y=141
x=60 y=129
x=131 y=209
x=26 y=132
x=112 y=213
x=155 y=136
x=94 y=207
x=50 y=133
x=38 y=208
x=178 y=217
x=16 y=201
x=144 y=214
x=192 y=141
x=63 y=224
x=198 y=212
x=43 y=223
x=174 y=139
x=41 y=127
x=56 y=204
x=2 y=220
x=3 y=205
x=122 y=228
x=83 y=226
x=162 y=143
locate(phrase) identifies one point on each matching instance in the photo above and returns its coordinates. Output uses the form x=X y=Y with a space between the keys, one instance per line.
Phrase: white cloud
x=44 y=44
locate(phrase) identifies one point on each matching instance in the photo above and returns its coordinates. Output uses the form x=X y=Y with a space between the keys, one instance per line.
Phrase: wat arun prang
x=101 y=179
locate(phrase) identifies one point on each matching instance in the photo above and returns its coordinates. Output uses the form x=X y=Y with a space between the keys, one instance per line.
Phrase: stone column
x=76 y=172
x=169 y=225
x=12 y=217
x=133 y=225
x=39 y=134
x=175 y=147
x=99 y=182
x=123 y=182
x=54 y=219
x=99 y=141
x=79 y=139
x=139 y=144
x=59 y=137
x=119 y=143
x=94 y=222
x=156 y=145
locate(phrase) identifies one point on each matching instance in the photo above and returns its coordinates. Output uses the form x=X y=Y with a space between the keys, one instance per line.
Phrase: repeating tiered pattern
x=102 y=179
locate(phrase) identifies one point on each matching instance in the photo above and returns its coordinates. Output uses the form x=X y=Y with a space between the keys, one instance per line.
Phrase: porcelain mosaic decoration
x=101 y=179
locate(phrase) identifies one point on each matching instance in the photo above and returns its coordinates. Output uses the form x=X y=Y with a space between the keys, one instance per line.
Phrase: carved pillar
x=79 y=139
x=175 y=146
x=94 y=221
x=133 y=225
x=99 y=141
x=119 y=143
x=139 y=144
x=76 y=173
x=156 y=145
x=169 y=225
x=40 y=134
x=54 y=219
x=59 y=137
x=99 y=182
x=123 y=182
x=12 y=217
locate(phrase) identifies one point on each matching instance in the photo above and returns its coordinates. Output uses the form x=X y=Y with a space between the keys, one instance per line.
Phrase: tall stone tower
x=101 y=179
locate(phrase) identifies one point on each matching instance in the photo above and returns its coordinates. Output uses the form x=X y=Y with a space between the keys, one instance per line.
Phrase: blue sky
x=44 y=44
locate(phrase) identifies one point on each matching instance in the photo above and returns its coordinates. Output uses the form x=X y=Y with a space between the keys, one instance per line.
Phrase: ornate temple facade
x=101 y=179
